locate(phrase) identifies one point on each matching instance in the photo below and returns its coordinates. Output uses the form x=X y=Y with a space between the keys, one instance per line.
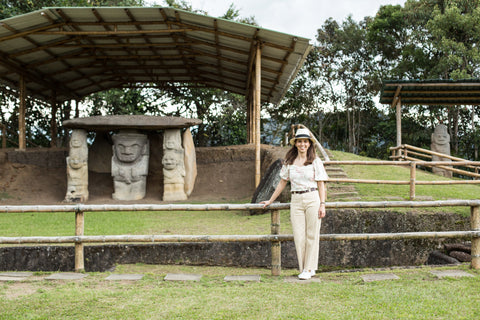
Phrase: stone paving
x=379 y=277
x=70 y=276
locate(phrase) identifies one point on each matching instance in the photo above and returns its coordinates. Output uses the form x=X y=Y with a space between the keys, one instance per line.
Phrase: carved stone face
x=169 y=161
x=128 y=151
x=129 y=147
x=75 y=163
x=78 y=141
x=440 y=135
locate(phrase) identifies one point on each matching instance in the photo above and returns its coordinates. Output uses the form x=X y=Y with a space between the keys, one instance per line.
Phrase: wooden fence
x=79 y=239
x=411 y=153
x=413 y=173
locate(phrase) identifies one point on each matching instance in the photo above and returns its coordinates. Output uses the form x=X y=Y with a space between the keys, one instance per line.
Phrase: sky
x=296 y=17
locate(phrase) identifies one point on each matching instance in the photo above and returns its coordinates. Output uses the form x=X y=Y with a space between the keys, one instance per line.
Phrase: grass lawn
x=416 y=295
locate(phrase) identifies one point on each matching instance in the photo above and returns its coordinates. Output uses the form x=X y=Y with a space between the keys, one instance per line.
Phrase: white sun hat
x=302 y=134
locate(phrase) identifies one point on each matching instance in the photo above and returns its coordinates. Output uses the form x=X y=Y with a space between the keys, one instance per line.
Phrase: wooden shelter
x=428 y=92
x=59 y=54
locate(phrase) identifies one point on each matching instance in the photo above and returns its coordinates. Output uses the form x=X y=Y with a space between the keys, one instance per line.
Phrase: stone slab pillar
x=173 y=166
x=77 y=167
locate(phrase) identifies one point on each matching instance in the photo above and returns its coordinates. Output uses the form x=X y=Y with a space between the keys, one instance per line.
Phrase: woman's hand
x=322 y=211
x=266 y=203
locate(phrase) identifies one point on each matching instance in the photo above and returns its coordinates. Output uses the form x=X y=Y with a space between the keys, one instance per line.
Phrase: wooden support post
x=22 y=132
x=53 y=122
x=257 y=98
x=276 y=245
x=413 y=177
x=79 y=229
x=249 y=117
x=475 y=223
x=399 y=124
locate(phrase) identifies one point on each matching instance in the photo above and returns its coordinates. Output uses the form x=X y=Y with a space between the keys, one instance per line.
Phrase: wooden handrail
x=274 y=238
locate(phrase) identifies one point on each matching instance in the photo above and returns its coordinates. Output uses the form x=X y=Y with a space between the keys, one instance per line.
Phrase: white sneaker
x=305 y=275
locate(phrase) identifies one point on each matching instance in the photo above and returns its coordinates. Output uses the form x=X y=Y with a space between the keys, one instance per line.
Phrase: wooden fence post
x=475 y=223
x=276 y=246
x=79 y=230
x=413 y=177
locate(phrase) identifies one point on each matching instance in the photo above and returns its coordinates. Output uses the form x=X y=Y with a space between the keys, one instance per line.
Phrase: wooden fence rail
x=413 y=173
x=274 y=238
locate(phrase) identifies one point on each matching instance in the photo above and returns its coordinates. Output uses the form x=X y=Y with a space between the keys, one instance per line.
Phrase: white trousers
x=306 y=228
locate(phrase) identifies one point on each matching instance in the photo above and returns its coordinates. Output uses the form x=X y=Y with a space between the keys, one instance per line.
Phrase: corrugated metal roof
x=77 y=51
x=431 y=92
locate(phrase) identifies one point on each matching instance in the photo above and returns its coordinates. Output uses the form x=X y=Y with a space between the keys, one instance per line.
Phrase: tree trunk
x=455 y=129
x=358 y=130
x=349 y=132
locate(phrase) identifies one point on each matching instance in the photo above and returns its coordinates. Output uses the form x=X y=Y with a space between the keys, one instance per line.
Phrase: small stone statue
x=441 y=144
x=130 y=165
x=77 y=167
x=173 y=166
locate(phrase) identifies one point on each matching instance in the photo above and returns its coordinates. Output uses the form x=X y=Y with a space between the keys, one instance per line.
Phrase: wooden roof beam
x=284 y=63
x=39 y=79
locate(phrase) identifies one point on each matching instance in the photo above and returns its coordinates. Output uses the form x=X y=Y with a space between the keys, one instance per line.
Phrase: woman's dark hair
x=293 y=153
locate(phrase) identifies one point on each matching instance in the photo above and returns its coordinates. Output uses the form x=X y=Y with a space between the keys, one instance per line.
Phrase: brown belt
x=304 y=191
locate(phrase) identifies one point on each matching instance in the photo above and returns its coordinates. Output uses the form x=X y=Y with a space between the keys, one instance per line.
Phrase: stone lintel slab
x=182 y=277
x=66 y=276
x=379 y=277
x=254 y=278
x=123 y=277
x=138 y=122
x=450 y=273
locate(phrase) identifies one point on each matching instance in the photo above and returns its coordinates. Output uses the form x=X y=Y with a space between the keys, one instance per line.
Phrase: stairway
x=339 y=191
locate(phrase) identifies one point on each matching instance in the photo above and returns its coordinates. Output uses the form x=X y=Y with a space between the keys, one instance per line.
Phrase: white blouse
x=304 y=177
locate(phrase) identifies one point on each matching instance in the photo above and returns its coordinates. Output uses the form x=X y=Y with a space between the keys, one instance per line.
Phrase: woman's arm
x=281 y=185
x=323 y=197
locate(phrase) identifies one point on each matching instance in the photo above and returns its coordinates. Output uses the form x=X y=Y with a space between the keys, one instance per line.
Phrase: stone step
x=379 y=277
x=338 y=175
x=333 y=169
x=124 y=277
x=337 y=187
x=182 y=277
x=343 y=194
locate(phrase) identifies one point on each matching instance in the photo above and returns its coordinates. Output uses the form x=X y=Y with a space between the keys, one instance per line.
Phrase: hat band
x=300 y=136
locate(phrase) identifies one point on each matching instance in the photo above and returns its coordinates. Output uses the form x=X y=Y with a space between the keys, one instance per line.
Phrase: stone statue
x=441 y=144
x=173 y=166
x=129 y=165
x=77 y=167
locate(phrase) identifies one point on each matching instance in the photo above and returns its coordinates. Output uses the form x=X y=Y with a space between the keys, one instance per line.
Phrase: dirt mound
x=224 y=174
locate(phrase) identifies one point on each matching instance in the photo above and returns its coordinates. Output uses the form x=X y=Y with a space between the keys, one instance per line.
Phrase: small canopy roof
x=431 y=92
x=78 y=51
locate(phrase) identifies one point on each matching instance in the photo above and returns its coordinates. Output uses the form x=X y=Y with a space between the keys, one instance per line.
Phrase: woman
x=307 y=177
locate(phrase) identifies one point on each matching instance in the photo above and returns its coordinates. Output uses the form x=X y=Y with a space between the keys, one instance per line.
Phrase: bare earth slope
x=224 y=174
